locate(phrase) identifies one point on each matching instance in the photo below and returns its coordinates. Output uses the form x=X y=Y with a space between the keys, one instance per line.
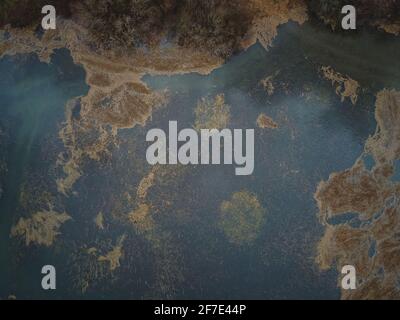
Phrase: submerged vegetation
x=41 y=229
x=242 y=218
x=212 y=113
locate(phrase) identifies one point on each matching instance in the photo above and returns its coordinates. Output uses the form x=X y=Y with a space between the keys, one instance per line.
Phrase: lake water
x=317 y=135
x=32 y=99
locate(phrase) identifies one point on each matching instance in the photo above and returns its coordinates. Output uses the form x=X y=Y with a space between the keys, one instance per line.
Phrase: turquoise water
x=317 y=135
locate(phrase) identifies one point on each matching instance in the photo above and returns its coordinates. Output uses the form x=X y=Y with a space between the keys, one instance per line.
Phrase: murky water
x=317 y=135
x=32 y=98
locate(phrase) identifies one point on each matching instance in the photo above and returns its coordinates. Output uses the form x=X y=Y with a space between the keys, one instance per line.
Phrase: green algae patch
x=42 y=228
x=241 y=218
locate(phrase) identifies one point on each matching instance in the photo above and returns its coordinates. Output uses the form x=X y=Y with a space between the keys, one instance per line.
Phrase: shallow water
x=32 y=97
x=317 y=135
